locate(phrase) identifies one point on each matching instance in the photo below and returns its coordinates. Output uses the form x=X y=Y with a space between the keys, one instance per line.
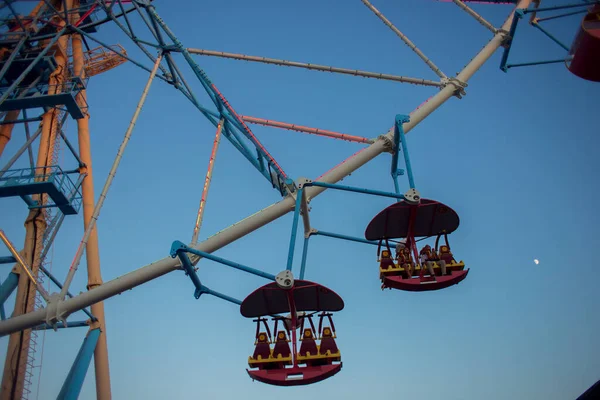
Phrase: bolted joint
x=506 y=38
x=412 y=197
x=459 y=86
x=388 y=145
x=311 y=232
x=54 y=314
x=285 y=279
x=303 y=182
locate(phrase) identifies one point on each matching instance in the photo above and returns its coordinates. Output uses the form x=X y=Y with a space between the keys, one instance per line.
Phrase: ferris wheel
x=49 y=50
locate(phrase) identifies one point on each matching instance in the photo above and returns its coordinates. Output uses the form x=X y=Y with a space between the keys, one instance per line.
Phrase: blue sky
x=515 y=158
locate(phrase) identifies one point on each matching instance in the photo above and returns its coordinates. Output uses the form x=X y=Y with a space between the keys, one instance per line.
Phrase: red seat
x=386 y=260
x=446 y=255
x=262 y=348
x=328 y=342
x=308 y=344
x=282 y=347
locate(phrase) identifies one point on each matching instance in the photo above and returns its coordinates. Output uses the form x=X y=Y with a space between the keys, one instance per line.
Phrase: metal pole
x=474 y=14
x=265 y=216
x=24 y=265
x=26 y=146
x=406 y=40
x=299 y=196
x=299 y=128
x=304 y=256
x=211 y=164
x=400 y=119
x=15 y=367
x=316 y=67
x=74 y=382
x=111 y=175
x=92 y=252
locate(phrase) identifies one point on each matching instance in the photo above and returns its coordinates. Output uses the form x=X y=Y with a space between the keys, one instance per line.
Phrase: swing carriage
x=411 y=270
x=282 y=365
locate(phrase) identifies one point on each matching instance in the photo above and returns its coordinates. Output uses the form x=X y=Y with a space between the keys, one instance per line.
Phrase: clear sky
x=516 y=158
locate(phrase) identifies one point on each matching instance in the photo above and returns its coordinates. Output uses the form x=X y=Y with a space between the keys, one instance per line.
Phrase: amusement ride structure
x=49 y=51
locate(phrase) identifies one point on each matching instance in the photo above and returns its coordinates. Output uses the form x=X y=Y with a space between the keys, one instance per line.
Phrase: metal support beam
x=221 y=296
x=178 y=247
x=316 y=67
x=474 y=14
x=268 y=214
x=72 y=386
x=345 y=237
x=60 y=325
x=108 y=182
x=304 y=256
x=207 y=180
x=24 y=266
x=399 y=132
x=33 y=63
x=305 y=129
x=355 y=189
x=7 y=287
x=406 y=40
x=305 y=214
x=19 y=152
x=299 y=195
x=7 y=260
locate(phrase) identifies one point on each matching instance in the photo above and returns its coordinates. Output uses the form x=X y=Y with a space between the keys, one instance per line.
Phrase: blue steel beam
x=553 y=8
x=6 y=289
x=72 y=386
x=551 y=36
x=178 y=247
x=12 y=56
x=528 y=64
x=290 y=259
x=355 y=189
x=399 y=131
x=345 y=237
x=61 y=325
x=7 y=260
x=511 y=36
x=396 y=156
x=189 y=270
x=222 y=296
x=304 y=256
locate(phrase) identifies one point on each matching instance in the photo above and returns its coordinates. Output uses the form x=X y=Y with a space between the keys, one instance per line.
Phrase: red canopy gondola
x=404 y=220
x=312 y=363
x=586 y=47
x=432 y=218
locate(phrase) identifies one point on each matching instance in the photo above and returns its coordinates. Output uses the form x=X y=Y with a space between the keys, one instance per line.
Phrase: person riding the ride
x=403 y=257
x=426 y=258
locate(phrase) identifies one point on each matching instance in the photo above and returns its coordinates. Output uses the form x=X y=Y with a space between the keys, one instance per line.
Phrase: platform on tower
x=52 y=180
x=46 y=96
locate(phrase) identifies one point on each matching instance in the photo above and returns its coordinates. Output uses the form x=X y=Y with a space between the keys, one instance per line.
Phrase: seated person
x=435 y=258
x=425 y=256
x=403 y=257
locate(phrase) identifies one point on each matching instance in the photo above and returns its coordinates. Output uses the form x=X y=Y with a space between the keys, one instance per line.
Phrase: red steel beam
x=306 y=129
